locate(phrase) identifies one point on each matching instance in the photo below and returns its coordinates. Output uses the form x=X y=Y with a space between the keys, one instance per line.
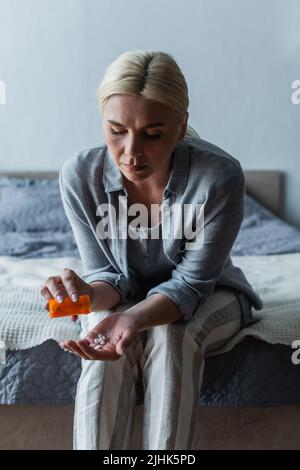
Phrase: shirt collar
x=112 y=176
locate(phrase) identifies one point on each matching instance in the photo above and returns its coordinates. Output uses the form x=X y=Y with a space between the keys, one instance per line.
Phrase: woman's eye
x=153 y=136
x=116 y=133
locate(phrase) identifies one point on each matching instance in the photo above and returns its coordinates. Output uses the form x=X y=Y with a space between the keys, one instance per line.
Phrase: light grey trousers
x=171 y=358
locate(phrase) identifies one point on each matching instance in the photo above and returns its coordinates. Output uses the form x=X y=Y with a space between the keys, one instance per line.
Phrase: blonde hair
x=152 y=74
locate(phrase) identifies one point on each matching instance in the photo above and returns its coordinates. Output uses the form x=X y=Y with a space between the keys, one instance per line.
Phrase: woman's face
x=141 y=135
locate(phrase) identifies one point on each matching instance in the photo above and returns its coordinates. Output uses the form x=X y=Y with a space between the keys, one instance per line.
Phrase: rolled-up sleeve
x=196 y=274
x=96 y=266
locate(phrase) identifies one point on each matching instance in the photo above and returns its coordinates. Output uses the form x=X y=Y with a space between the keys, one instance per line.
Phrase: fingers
x=54 y=288
x=117 y=342
x=69 y=279
x=60 y=287
x=46 y=293
x=117 y=339
x=93 y=354
x=84 y=350
x=73 y=347
x=124 y=341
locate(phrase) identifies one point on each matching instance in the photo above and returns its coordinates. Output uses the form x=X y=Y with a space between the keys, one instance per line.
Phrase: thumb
x=124 y=342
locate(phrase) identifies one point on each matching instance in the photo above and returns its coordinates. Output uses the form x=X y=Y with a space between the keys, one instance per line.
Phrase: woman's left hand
x=120 y=330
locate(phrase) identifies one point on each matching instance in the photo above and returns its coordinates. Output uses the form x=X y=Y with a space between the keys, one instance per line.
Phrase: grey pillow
x=263 y=233
x=31 y=205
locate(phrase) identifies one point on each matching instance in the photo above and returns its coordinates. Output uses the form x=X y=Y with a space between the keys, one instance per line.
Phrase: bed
x=249 y=389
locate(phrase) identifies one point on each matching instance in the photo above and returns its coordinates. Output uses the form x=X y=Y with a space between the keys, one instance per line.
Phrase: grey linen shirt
x=201 y=173
x=147 y=261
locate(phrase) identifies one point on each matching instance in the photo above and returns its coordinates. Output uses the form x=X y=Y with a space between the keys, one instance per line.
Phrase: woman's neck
x=146 y=187
x=144 y=191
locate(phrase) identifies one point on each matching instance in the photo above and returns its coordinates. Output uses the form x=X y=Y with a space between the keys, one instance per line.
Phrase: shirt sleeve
x=96 y=266
x=196 y=274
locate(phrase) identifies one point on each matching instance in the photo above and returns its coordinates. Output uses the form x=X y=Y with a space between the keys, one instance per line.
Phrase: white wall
x=239 y=58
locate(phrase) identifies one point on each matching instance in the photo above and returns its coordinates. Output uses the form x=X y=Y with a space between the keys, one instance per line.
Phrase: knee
x=165 y=336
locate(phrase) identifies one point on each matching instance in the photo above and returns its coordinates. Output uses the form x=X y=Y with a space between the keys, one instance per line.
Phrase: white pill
x=98 y=347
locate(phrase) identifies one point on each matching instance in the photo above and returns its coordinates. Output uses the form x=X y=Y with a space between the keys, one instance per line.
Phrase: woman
x=161 y=301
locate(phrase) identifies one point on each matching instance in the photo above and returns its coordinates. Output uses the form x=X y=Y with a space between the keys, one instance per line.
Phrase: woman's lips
x=134 y=168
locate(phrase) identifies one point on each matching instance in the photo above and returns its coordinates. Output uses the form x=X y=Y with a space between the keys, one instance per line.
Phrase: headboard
x=265 y=185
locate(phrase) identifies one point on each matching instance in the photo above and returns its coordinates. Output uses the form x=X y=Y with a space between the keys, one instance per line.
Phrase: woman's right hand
x=67 y=284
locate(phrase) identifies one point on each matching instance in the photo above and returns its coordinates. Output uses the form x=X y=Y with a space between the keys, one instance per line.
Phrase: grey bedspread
x=33 y=225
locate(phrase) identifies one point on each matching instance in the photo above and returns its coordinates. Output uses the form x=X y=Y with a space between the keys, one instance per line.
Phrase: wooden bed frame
x=50 y=426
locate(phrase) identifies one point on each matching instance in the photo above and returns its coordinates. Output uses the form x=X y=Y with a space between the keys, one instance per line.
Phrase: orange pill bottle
x=68 y=307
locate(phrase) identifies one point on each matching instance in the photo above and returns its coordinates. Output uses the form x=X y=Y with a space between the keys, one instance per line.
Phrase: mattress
x=33 y=225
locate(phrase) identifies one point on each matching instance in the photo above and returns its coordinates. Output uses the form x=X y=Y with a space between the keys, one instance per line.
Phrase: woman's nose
x=133 y=147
